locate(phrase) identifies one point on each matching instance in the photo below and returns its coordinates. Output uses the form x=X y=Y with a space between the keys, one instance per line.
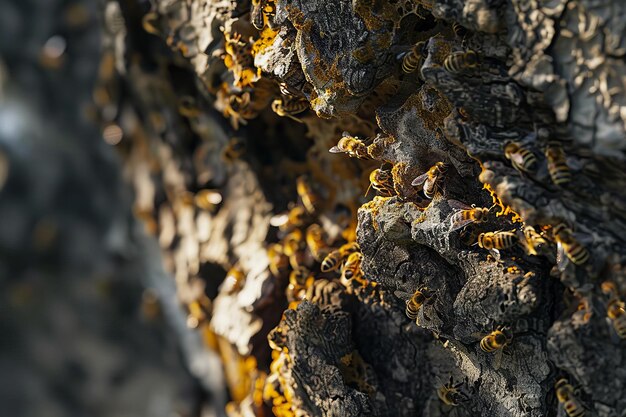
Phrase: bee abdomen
x=486 y=345
x=459 y=61
x=578 y=254
x=330 y=262
x=504 y=240
x=573 y=409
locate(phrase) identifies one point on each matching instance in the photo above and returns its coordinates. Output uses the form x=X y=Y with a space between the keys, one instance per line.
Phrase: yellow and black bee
x=353 y=147
x=616 y=312
x=521 y=158
x=310 y=199
x=334 y=258
x=466 y=215
x=413 y=59
x=382 y=182
x=568 y=247
x=460 y=61
x=566 y=394
x=496 y=341
x=557 y=165
x=352 y=267
x=451 y=393
x=289 y=107
x=430 y=179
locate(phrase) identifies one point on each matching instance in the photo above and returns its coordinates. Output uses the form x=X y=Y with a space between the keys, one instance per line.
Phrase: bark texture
x=524 y=103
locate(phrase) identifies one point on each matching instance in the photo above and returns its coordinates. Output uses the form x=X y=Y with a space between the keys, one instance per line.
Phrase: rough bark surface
x=220 y=171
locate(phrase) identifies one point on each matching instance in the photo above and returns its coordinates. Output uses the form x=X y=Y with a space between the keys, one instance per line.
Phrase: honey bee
x=466 y=215
x=616 y=313
x=568 y=247
x=149 y=23
x=460 y=61
x=521 y=158
x=315 y=242
x=557 y=165
x=382 y=182
x=565 y=393
x=413 y=58
x=533 y=240
x=496 y=241
x=188 y=107
x=334 y=258
x=234 y=149
x=430 y=179
x=199 y=312
x=300 y=276
x=459 y=30
x=352 y=267
x=415 y=302
x=451 y=394
x=285 y=107
x=293 y=247
x=310 y=199
x=353 y=147
x=234 y=281
x=290 y=220
x=278 y=260
x=496 y=341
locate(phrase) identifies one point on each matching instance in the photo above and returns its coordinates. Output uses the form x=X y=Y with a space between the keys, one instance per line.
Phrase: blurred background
x=89 y=325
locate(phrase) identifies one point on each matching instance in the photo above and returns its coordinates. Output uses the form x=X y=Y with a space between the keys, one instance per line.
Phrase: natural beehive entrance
x=401 y=193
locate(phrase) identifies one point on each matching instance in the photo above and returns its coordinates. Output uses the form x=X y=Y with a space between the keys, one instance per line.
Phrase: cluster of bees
x=303 y=251
x=303 y=248
x=569 y=248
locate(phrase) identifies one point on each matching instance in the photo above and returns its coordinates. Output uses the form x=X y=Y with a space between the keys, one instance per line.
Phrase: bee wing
x=495 y=253
x=456 y=204
x=420 y=180
x=561 y=258
x=612 y=332
x=497 y=360
x=335 y=149
x=403 y=295
x=518 y=159
x=457 y=222
x=279 y=219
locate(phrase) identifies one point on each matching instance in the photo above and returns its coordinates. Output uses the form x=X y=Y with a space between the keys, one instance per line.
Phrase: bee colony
x=385 y=207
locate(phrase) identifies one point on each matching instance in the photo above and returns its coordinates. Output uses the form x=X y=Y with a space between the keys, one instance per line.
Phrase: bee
x=188 y=107
x=565 y=393
x=355 y=148
x=293 y=242
x=352 y=268
x=234 y=149
x=496 y=341
x=382 y=182
x=568 y=247
x=521 y=158
x=460 y=61
x=315 y=242
x=149 y=23
x=324 y=292
x=278 y=260
x=459 y=30
x=234 y=281
x=415 y=302
x=310 y=199
x=451 y=394
x=413 y=58
x=301 y=276
x=199 y=312
x=430 y=179
x=285 y=107
x=533 y=240
x=557 y=165
x=207 y=199
x=616 y=312
x=296 y=217
x=466 y=215
x=334 y=258
x=496 y=241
